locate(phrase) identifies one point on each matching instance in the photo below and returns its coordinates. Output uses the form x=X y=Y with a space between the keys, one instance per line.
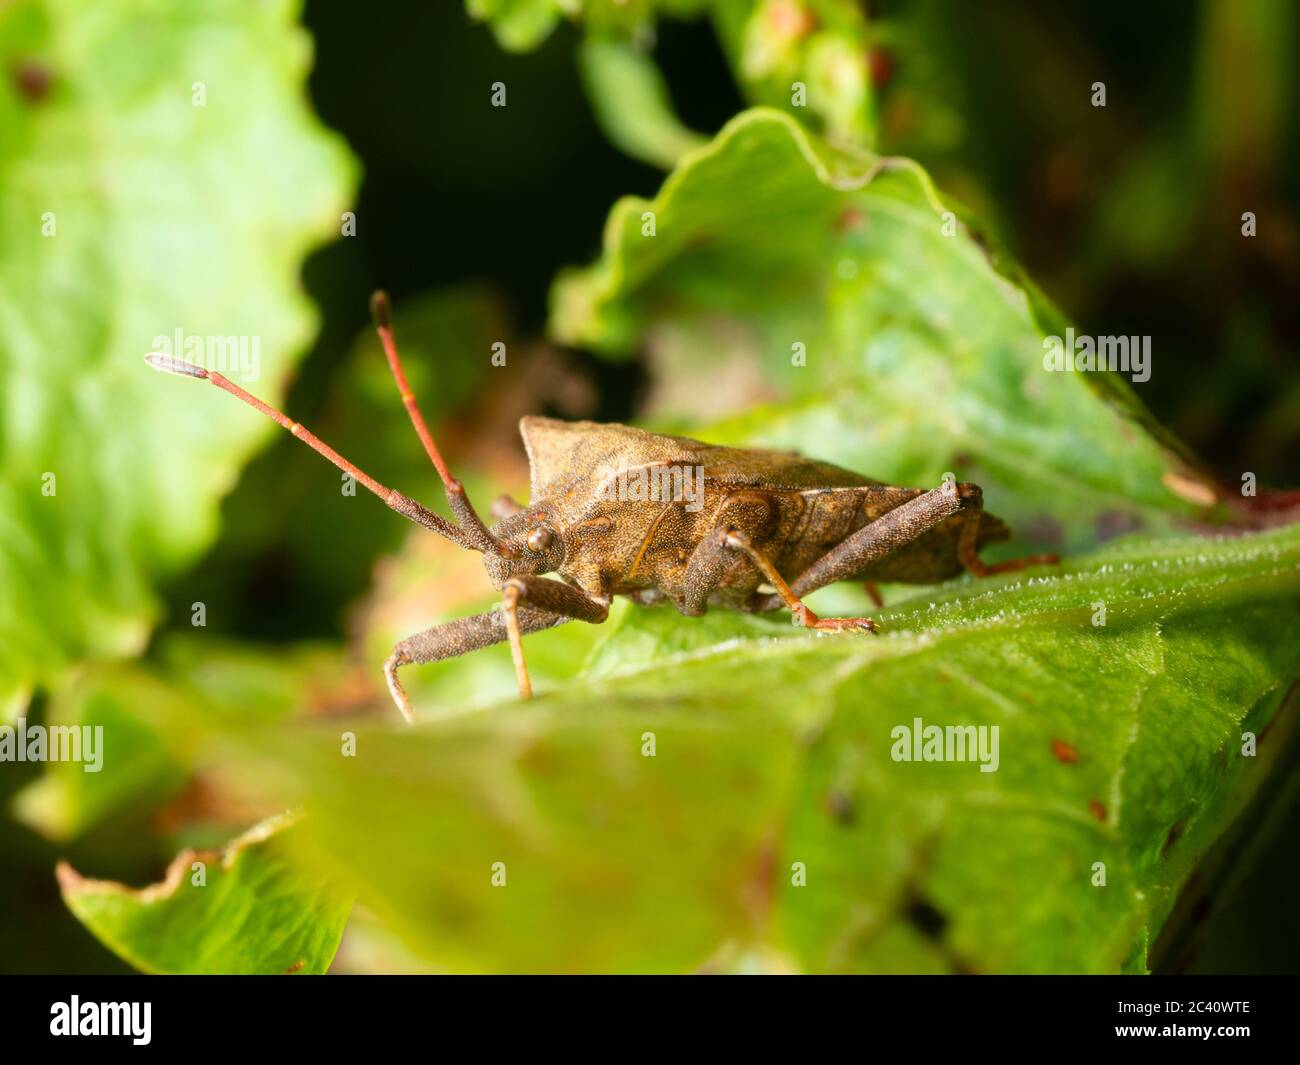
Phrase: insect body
x=620 y=511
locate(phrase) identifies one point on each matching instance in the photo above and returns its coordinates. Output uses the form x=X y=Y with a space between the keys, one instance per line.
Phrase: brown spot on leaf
x=926 y=918
x=880 y=61
x=1097 y=810
x=849 y=219
x=1065 y=752
x=1175 y=834
x=32 y=79
x=839 y=805
x=295 y=966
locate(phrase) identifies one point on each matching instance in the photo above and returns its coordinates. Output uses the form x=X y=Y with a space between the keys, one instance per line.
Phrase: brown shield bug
x=620 y=511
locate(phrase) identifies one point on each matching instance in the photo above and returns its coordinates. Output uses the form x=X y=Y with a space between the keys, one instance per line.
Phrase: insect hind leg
x=801 y=615
x=968 y=542
x=713 y=557
x=892 y=530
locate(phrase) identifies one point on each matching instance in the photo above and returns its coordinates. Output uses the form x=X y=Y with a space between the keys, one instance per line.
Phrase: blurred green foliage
x=128 y=209
x=786 y=226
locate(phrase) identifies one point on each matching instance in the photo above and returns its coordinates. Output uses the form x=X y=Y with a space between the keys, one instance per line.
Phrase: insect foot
x=395 y=689
x=844 y=625
x=801 y=615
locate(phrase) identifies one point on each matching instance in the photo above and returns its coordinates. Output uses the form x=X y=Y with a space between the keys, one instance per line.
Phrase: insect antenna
x=471 y=524
x=403 y=504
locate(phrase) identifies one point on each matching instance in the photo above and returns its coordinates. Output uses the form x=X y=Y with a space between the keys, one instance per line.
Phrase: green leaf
x=181 y=217
x=153 y=719
x=247 y=909
x=71 y=797
x=1121 y=686
x=519 y=25
x=808 y=57
x=871 y=329
x=522 y=25
x=630 y=100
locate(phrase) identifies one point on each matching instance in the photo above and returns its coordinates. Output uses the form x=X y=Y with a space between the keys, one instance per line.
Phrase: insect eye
x=539 y=539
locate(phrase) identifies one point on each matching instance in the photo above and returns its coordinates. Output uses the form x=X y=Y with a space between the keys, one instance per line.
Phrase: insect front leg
x=455 y=638
x=553 y=597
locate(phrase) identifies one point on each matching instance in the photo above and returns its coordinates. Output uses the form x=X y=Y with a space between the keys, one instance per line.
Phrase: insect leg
x=973 y=505
x=708 y=562
x=554 y=597
x=892 y=530
x=404 y=505
x=471 y=524
x=457 y=638
x=739 y=541
x=872 y=542
x=745 y=512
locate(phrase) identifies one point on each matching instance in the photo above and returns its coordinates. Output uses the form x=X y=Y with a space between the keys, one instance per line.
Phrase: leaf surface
x=248 y=909
x=1120 y=754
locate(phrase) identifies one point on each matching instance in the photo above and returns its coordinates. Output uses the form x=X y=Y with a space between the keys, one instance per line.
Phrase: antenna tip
x=167 y=364
x=381 y=310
